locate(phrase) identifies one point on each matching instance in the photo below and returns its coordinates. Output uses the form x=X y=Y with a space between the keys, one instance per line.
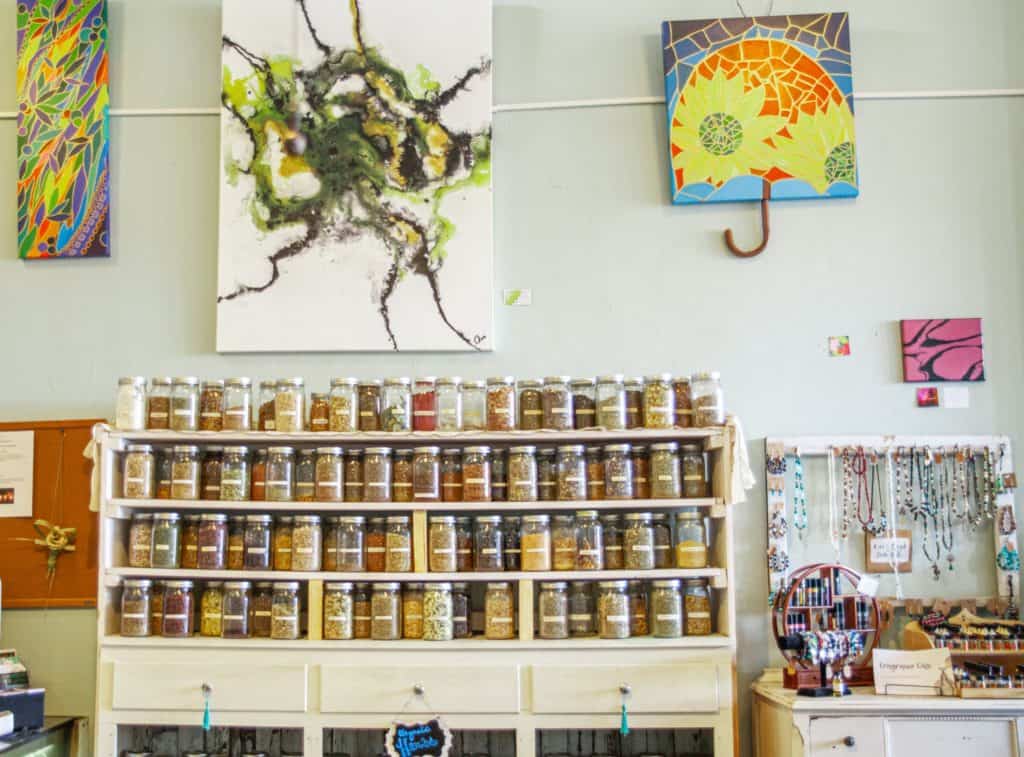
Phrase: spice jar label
x=699 y=548
x=590 y=552
x=261 y=613
x=375 y=550
x=693 y=477
x=641 y=547
x=617 y=618
x=580 y=616
x=670 y=616
x=501 y=620
x=134 y=615
x=698 y=615
x=486 y=551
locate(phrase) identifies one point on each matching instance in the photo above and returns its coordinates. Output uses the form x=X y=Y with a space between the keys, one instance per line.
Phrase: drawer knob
x=625 y=689
x=418 y=690
x=206 y=689
x=850 y=741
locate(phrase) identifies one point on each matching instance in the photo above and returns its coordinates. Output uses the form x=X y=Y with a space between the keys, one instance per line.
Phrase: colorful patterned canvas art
x=760 y=108
x=63 y=129
x=942 y=349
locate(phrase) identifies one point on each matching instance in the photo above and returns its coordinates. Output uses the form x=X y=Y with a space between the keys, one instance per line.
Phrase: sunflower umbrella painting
x=760 y=108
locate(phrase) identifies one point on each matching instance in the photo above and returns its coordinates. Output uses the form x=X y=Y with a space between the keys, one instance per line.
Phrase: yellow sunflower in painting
x=718 y=131
x=821 y=151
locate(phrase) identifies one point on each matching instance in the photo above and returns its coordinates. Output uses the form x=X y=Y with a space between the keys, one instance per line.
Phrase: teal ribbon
x=624 y=720
x=206 y=713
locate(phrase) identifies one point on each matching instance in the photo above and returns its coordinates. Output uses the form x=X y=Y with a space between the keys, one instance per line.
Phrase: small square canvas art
x=942 y=349
x=839 y=346
x=928 y=397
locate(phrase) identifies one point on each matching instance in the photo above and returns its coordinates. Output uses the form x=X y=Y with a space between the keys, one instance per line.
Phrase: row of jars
x=400 y=404
x=666 y=470
x=352 y=543
x=439 y=611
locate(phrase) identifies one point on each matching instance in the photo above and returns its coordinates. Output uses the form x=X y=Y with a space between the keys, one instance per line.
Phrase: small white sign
x=882 y=549
x=868 y=586
x=16 y=470
x=956 y=397
x=910 y=673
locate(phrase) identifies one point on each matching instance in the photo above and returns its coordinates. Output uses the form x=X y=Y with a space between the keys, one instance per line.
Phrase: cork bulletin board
x=61 y=487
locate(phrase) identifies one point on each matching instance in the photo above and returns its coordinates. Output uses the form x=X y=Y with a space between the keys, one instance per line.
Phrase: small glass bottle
x=235 y=480
x=236 y=609
x=305 y=476
x=488 y=544
x=501 y=403
x=572 y=473
x=212 y=540
x=708 y=399
x=376 y=544
x=451 y=475
x=319 y=412
x=666 y=609
x=166 y=545
x=424 y=404
x=463 y=543
x=442 y=544
x=351 y=544
x=426 y=474
x=178 y=610
x=185 y=472
x=190 y=541
x=290 y=405
x=377 y=474
x=460 y=611
x=584 y=403
x=211 y=406
x=185 y=403
x=339 y=611
x=641 y=471
x=401 y=476
x=136 y=607
x=449 y=403
x=691 y=539
x=158 y=404
x=474 y=405
x=307 y=543
x=283 y=527
x=261 y=608
x=531 y=404
x=536 y=542
x=257 y=540
x=139 y=474
x=595 y=474
x=547 y=475
x=258 y=490
x=695 y=482
x=280 y=483
x=589 y=541
x=634 y=391
x=612 y=610
x=581 y=609
x=238 y=404
x=362 y=611
x=476 y=474
x=522 y=474
x=386 y=612
x=611 y=526
x=329 y=479
x=499 y=476
x=412 y=611
x=130 y=412
x=563 y=542
x=512 y=544
x=557 y=402
x=659 y=401
x=265 y=406
x=683 y=401
x=666 y=477
x=353 y=475
x=553 y=610
x=140 y=540
x=236 y=542
x=499 y=612
x=396 y=411
x=398 y=544
x=344 y=406
x=638 y=541
x=369 y=401
x=284 y=611
x=618 y=472
x=638 y=623
x=211 y=609
x=438 y=612
x=210 y=475
x=696 y=607
x=663 y=557
x=611 y=402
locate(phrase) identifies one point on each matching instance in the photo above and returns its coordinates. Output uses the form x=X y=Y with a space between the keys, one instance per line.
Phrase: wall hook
x=765 y=229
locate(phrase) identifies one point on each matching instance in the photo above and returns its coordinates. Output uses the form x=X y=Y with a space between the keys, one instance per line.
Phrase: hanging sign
x=429 y=739
x=880 y=550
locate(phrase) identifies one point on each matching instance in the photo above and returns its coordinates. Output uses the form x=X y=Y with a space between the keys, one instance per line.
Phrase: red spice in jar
x=376 y=547
x=424 y=405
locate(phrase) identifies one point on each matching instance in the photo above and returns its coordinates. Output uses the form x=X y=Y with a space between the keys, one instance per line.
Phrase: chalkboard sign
x=429 y=739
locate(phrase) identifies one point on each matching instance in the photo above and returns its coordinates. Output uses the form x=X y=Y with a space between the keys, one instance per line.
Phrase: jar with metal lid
x=638 y=624
x=339 y=611
x=283 y=525
x=185 y=472
x=377 y=474
x=563 y=542
x=696 y=607
x=611 y=402
x=265 y=404
x=424 y=404
x=376 y=544
x=130 y=412
x=236 y=542
x=370 y=396
x=178 y=609
x=618 y=472
x=547 y=475
x=351 y=544
x=531 y=404
x=329 y=475
x=461 y=611
x=584 y=403
x=695 y=482
x=158 y=404
x=557 y=403
x=589 y=541
x=522 y=474
x=166 y=549
x=581 y=609
x=362 y=611
x=280 y=484
x=663 y=557
x=438 y=612
x=237 y=606
x=612 y=610
x=536 y=542
x=572 y=472
x=611 y=533
x=354 y=475
x=666 y=609
x=499 y=611
x=451 y=475
x=135 y=607
x=488 y=543
x=211 y=406
x=474 y=405
x=140 y=540
x=211 y=609
x=139 y=474
x=638 y=541
x=305 y=476
x=386 y=612
x=666 y=477
x=258 y=476
x=290 y=405
x=258 y=550
x=691 y=539
x=398 y=544
x=344 y=416
x=426 y=474
x=641 y=471
x=401 y=476
x=235 y=480
x=463 y=543
x=238 y=404
x=634 y=391
x=284 y=611
x=511 y=542
x=501 y=403
x=396 y=412
x=449 y=403
x=553 y=610
x=210 y=474
x=212 y=540
x=476 y=474
x=659 y=401
x=708 y=399
x=262 y=602
x=595 y=474
x=185 y=403
x=412 y=611
x=307 y=543
x=442 y=543
x=499 y=476
x=190 y=541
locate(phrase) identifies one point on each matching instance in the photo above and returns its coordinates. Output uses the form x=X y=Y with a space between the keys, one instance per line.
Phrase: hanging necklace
x=990 y=487
x=799 y=495
x=847 y=462
x=879 y=526
x=860 y=470
x=897 y=477
x=926 y=477
x=973 y=518
x=944 y=526
x=955 y=500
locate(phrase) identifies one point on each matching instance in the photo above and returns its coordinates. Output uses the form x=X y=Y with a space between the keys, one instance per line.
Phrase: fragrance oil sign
x=429 y=739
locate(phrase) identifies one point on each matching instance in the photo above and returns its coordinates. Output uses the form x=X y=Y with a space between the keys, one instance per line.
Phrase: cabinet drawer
x=150 y=686
x=447 y=688
x=848 y=736
x=952 y=738
x=653 y=688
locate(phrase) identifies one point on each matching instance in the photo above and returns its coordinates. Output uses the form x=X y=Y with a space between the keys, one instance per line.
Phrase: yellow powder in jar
x=691 y=554
x=536 y=551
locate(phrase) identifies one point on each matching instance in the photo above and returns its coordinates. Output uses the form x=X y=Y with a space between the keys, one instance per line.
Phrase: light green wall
x=621 y=279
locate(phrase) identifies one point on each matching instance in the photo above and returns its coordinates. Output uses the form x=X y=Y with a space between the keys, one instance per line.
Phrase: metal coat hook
x=765 y=229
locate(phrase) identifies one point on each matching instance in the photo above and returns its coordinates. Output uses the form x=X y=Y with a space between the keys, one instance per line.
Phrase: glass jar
x=140 y=540
x=307 y=543
x=638 y=541
x=236 y=608
x=659 y=401
x=424 y=404
x=262 y=603
x=499 y=612
x=612 y=610
x=488 y=543
x=461 y=611
x=369 y=399
x=401 y=476
x=695 y=482
x=280 y=484
x=166 y=549
x=185 y=403
x=139 y=475
x=212 y=540
x=259 y=476
x=258 y=550
x=581 y=609
x=449 y=404
x=618 y=472
x=584 y=403
x=412 y=611
x=130 y=411
x=522 y=474
x=396 y=412
x=531 y=405
x=547 y=475
x=501 y=403
x=666 y=478
x=236 y=542
x=463 y=543
x=451 y=475
x=339 y=611
x=211 y=609
x=305 y=476
x=641 y=471
x=611 y=527
x=376 y=545
x=282 y=542
x=683 y=401
x=136 y=606
x=363 y=612
x=319 y=411
x=386 y=612
x=158 y=404
x=557 y=402
x=290 y=405
x=178 y=610
x=563 y=542
x=572 y=473
x=235 y=481
x=663 y=557
x=344 y=417
x=611 y=402
x=185 y=472
x=443 y=543
x=595 y=474
x=438 y=612
x=354 y=475
x=329 y=478
x=634 y=391
x=284 y=611
x=398 y=543
x=190 y=541
x=267 y=394
x=164 y=471
x=210 y=475
x=426 y=474
x=691 y=539
x=156 y=609
x=499 y=476
x=238 y=404
x=708 y=399
x=211 y=406
x=536 y=542
x=666 y=609
x=474 y=405
x=350 y=544
x=511 y=542
x=589 y=541
x=638 y=624
x=553 y=610
x=696 y=607
x=476 y=474
x=377 y=474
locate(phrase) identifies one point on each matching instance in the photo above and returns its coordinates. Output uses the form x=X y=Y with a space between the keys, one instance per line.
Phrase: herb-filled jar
x=581 y=609
x=136 y=607
x=130 y=412
x=396 y=412
x=178 y=609
x=595 y=474
x=158 y=404
x=377 y=474
x=666 y=609
x=474 y=405
x=611 y=402
x=156 y=609
x=572 y=472
x=463 y=543
x=265 y=404
x=618 y=472
x=329 y=479
x=344 y=406
x=258 y=546
x=424 y=404
x=695 y=482
x=641 y=471
x=339 y=611
x=235 y=481
x=442 y=542
x=211 y=609
x=290 y=405
x=666 y=477
x=185 y=472
x=140 y=540
x=398 y=544
x=611 y=532
x=683 y=401
x=185 y=403
x=536 y=542
x=584 y=403
x=166 y=548
x=262 y=603
x=284 y=611
x=426 y=474
x=476 y=474
x=553 y=610
x=563 y=542
x=354 y=475
x=319 y=412
x=280 y=483
x=438 y=612
x=238 y=404
x=547 y=475
x=401 y=476
x=190 y=541
x=236 y=542
x=488 y=543
x=451 y=475
x=449 y=403
x=370 y=396
x=691 y=539
x=531 y=404
x=213 y=461
x=589 y=541
x=412 y=611
x=307 y=543
x=258 y=490
x=634 y=390
x=305 y=476
x=236 y=608
x=350 y=544
x=638 y=624
x=659 y=401
x=612 y=610
x=501 y=403
x=663 y=557
x=213 y=541
x=708 y=399
x=499 y=611
x=386 y=612
x=499 y=476
x=460 y=611
x=362 y=611
x=557 y=402
x=522 y=474
x=211 y=406
x=139 y=474
x=164 y=472
x=376 y=544
x=696 y=607
x=511 y=542
x=638 y=541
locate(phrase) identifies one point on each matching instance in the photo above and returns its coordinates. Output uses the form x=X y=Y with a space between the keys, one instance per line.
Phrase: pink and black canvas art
x=942 y=349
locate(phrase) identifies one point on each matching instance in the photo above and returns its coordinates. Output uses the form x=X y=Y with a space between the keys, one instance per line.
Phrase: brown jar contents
x=211 y=472
x=634 y=403
x=401 y=476
x=426 y=474
x=638 y=609
x=211 y=406
x=377 y=474
x=236 y=542
x=268 y=420
x=596 y=487
x=697 y=605
x=584 y=403
x=164 y=467
x=684 y=402
x=563 y=543
x=451 y=476
x=140 y=540
x=694 y=479
x=213 y=542
x=283 y=542
x=369 y=405
x=329 y=476
x=190 y=541
x=463 y=544
x=159 y=413
x=260 y=609
x=376 y=546
x=476 y=474
x=547 y=476
x=618 y=472
x=536 y=543
x=558 y=414
x=259 y=476
x=362 y=616
x=641 y=473
x=531 y=407
x=398 y=544
x=501 y=404
x=611 y=524
x=319 y=412
x=354 y=475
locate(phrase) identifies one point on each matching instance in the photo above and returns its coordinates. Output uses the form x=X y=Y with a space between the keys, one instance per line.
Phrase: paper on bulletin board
x=16 y=451
x=918 y=673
